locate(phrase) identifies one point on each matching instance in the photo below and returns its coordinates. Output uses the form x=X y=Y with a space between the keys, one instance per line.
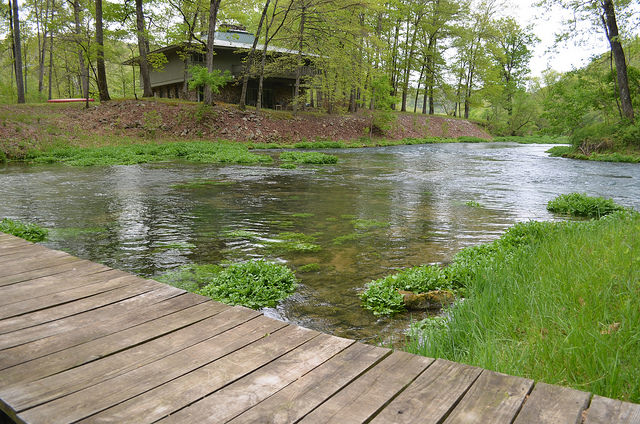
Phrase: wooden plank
x=121 y=288
x=94 y=399
x=36 y=263
x=432 y=395
x=238 y=396
x=29 y=257
x=46 y=286
x=99 y=282
x=128 y=294
x=303 y=395
x=604 y=411
x=47 y=272
x=75 y=369
x=364 y=397
x=140 y=310
x=182 y=391
x=553 y=405
x=11 y=248
x=494 y=398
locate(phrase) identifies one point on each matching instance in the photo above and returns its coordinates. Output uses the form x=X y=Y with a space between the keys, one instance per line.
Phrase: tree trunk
x=214 y=5
x=249 y=62
x=618 y=56
x=53 y=5
x=103 y=89
x=84 y=74
x=296 y=90
x=142 y=49
x=17 y=50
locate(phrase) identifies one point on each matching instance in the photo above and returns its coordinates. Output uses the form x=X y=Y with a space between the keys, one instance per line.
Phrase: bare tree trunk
x=53 y=5
x=214 y=5
x=103 y=89
x=142 y=50
x=249 y=62
x=611 y=27
x=84 y=74
x=296 y=91
x=17 y=49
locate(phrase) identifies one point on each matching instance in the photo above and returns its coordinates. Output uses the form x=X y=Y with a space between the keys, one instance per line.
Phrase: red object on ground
x=67 y=100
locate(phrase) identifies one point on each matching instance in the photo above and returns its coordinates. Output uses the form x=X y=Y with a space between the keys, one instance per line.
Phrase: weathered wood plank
x=494 y=398
x=605 y=411
x=36 y=263
x=303 y=395
x=432 y=395
x=47 y=272
x=94 y=399
x=240 y=395
x=99 y=282
x=364 y=397
x=553 y=405
x=75 y=369
x=121 y=288
x=28 y=258
x=141 y=308
x=134 y=289
x=12 y=248
x=43 y=286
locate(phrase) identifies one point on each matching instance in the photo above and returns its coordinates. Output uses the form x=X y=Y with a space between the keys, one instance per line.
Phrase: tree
x=250 y=57
x=17 y=51
x=605 y=13
x=103 y=89
x=142 y=49
x=214 y=5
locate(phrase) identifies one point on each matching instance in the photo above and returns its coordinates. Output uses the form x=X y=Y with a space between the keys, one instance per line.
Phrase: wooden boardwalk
x=81 y=342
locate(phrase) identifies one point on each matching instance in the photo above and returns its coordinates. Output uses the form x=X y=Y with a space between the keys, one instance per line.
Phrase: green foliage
x=294 y=242
x=3 y=157
x=381 y=295
x=473 y=204
x=320 y=145
x=157 y=61
x=201 y=77
x=204 y=152
x=578 y=204
x=30 y=232
x=534 y=139
x=348 y=238
x=468 y=139
x=190 y=277
x=308 y=157
x=254 y=284
x=563 y=311
x=288 y=166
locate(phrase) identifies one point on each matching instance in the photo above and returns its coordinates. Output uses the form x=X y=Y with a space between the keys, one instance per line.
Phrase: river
x=378 y=210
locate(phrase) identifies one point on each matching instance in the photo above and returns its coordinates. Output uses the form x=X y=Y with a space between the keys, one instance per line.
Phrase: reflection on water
x=378 y=210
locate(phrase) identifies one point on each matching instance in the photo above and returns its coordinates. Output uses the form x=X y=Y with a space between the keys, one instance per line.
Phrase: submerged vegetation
x=30 y=232
x=254 y=284
x=578 y=204
x=308 y=157
x=561 y=308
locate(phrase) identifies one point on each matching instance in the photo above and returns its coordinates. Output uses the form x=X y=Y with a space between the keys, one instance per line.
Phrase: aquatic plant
x=365 y=224
x=473 y=204
x=202 y=183
x=30 y=232
x=288 y=166
x=469 y=139
x=312 y=267
x=346 y=238
x=190 y=277
x=561 y=310
x=579 y=204
x=302 y=215
x=308 y=157
x=294 y=242
x=195 y=151
x=254 y=284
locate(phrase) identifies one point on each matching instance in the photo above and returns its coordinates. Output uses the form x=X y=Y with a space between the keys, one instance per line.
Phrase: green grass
x=579 y=204
x=308 y=157
x=573 y=153
x=30 y=232
x=254 y=284
x=196 y=151
x=534 y=139
x=563 y=310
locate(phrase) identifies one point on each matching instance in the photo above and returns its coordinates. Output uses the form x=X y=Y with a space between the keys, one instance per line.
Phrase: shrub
x=30 y=232
x=579 y=204
x=254 y=284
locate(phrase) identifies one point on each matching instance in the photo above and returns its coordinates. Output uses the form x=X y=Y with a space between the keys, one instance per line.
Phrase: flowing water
x=376 y=211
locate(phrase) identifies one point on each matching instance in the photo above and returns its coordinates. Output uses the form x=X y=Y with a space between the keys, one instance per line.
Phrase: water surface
x=376 y=211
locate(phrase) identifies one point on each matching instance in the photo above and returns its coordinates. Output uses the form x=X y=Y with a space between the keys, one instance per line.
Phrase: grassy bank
x=628 y=154
x=563 y=309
